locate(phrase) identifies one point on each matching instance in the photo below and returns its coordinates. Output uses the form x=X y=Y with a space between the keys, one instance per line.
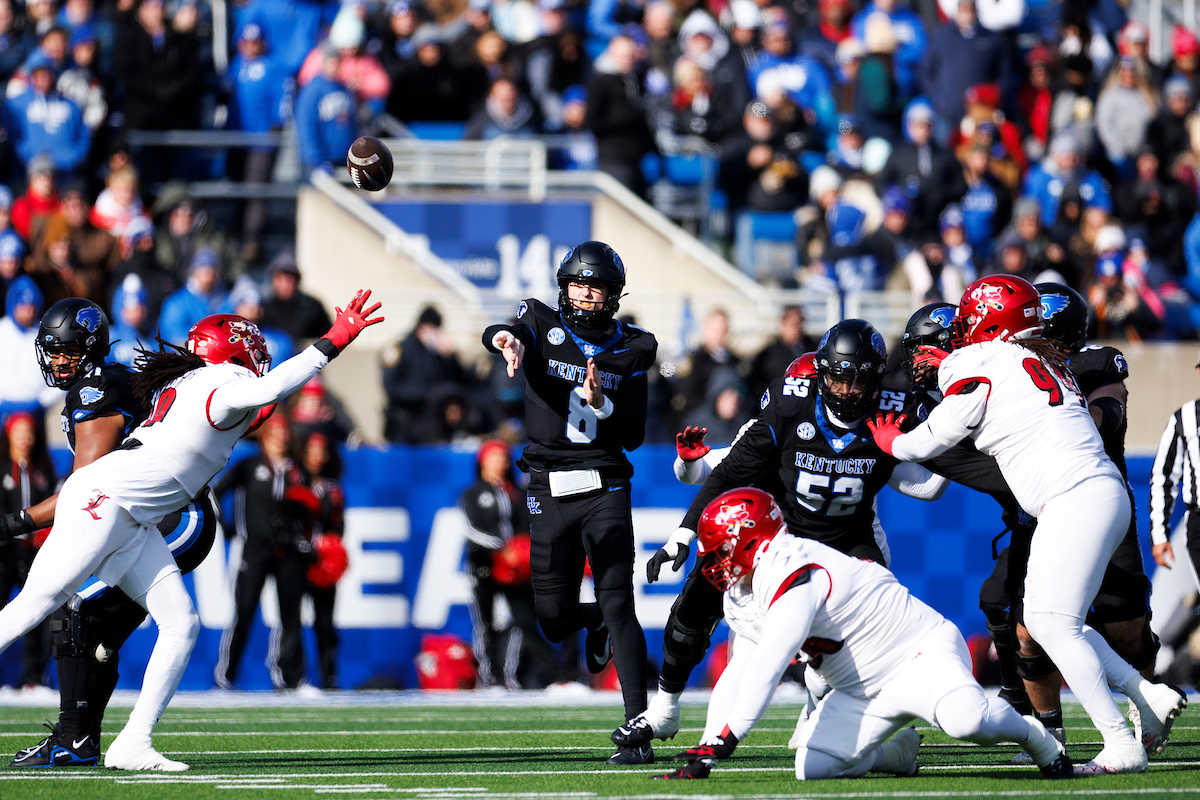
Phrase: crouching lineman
x=889 y=659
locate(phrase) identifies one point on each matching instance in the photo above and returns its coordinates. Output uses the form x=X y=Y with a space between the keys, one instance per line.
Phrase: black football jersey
x=104 y=391
x=563 y=430
x=830 y=477
x=1096 y=366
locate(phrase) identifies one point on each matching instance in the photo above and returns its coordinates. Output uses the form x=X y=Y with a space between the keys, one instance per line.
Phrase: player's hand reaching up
x=353 y=320
x=929 y=356
x=886 y=429
x=689 y=444
x=513 y=350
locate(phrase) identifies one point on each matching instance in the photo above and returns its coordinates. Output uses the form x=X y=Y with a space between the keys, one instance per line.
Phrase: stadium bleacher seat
x=437 y=131
x=764 y=244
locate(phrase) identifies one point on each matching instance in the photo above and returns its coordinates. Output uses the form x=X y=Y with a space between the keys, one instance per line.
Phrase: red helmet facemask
x=230 y=339
x=803 y=367
x=732 y=529
x=1001 y=307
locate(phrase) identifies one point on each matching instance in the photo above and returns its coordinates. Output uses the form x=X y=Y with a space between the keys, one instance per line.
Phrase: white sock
x=178 y=626
x=664 y=700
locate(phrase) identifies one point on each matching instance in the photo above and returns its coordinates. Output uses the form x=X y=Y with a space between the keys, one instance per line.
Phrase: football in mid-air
x=370 y=163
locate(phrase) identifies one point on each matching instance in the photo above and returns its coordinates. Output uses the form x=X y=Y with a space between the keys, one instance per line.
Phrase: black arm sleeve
x=756 y=452
x=1112 y=414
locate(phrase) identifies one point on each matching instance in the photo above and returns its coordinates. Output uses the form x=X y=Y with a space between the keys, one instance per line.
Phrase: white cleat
x=1023 y=759
x=662 y=713
x=139 y=755
x=801 y=723
x=1115 y=759
x=1161 y=706
x=906 y=744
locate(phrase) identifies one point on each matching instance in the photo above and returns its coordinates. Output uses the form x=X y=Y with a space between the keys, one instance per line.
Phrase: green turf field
x=396 y=747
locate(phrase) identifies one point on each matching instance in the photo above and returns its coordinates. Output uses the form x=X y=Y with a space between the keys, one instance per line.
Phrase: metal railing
x=493 y=165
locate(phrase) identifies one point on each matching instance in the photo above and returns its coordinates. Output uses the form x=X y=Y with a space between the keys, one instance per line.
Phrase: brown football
x=370 y=163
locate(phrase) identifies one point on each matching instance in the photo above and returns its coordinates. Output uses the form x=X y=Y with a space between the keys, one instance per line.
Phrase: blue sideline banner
x=407 y=577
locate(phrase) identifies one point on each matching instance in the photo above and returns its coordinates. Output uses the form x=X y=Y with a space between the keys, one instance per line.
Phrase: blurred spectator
x=616 y=115
x=962 y=54
x=203 y=294
x=986 y=205
x=55 y=265
x=705 y=361
x=131 y=326
x=497 y=524
x=832 y=27
x=700 y=108
x=315 y=410
x=847 y=157
x=291 y=26
x=910 y=35
x=554 y=61
x=476 y=19
x=757 y=169
x=261 y=102
x=39 y=16
x=896 y=228
x=1185 y=47
x=449 y=417
x=320 y=459
x=1158 y=207
x=137 y=248
x=43 y=122
x=81 y=83
x=300 y=315
x=994 y=15
x=394 y=38
x=605 y=17
x=182 y=230
x=580 y=149
x=1082 y=36
x=96 y=251
x=663 y=46
x=812 y=229
x=1124 y=109
x=506 y=113
x=358 y=70
x=1074 y=92
x=1120 y=310
x=31 y=210
x=850 y=55
x=412 y=369
x=118 y=205
x=1169 y=133
x=12 y=261
x=6 y=207
x=744 y=49
x=1064 y=168
x=23 y=388
x=159 y=70
x=951 y=263
x=789 y=343
x=1041 y=251
x=724 y=410
x=246 y=300
x=15 y=43
x=425 y=86
x=984 y=119
x=326 y=117
x=492 y=61
x=28 y=480
x=878 y=103
x=51 y=49
x=928 y=174
x=1011 y=258
x=854 y=261
x=1035 y=98
x=782 y=68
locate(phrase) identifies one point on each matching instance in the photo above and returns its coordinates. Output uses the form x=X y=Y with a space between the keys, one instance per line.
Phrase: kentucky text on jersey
x=576 y=373
x=841 y=466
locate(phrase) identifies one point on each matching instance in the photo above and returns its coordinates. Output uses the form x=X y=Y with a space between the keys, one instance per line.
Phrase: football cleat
x=129 y=754
x=597 y=649
x=632 y=756
x=1060 y=769
x=57 y=750
x=1023 y=759
x=1045 y=749
x=697 y=770
x=1115 y=759
x=634 y=733
x=906 y=744
x=1164 y=704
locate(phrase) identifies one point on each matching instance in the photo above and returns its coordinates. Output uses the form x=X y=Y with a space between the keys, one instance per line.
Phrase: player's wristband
x=327 y=347
x=605 y=410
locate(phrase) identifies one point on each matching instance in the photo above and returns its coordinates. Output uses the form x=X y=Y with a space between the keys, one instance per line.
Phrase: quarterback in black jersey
x=811 y=440
x=585 y=404
x=100 y=411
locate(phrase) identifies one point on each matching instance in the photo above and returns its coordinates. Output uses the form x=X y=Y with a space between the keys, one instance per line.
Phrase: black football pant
x=15 y=560
x=693 y=618
x=598 y=526
x=290 y=569
x=502 y=667
x=326 y=633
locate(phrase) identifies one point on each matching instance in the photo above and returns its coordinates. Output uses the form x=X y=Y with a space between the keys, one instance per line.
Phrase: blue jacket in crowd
x=1047 y=186
x=326 y=122
x=261 y=94
x=49 y=124
x=911 y=43
x=805 y=80
x=292 y=27
x=957 y=62
x=979 y=208
x=185 y=308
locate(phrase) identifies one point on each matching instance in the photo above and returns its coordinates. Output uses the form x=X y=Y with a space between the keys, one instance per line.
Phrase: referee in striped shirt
x=1174 y=473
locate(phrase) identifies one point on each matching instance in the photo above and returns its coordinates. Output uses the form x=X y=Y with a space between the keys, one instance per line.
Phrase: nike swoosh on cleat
x=76 y=745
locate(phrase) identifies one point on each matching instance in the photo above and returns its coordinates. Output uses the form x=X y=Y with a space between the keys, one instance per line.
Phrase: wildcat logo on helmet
x=988 y=298
x=1052 y=304
x=943 y=316
x=878 y=343
x=89 y=318
x=243 y=331
x=735 y=516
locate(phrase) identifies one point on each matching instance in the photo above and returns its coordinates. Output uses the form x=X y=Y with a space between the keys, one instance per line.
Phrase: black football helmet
x=75 y=327
x=932 y=325
x=1064 y=315
x=851 y=352
x=591 y=262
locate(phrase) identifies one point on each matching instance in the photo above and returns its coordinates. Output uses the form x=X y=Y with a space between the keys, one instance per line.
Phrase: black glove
x=675 y=550
x=16 y=524
x=718 y=747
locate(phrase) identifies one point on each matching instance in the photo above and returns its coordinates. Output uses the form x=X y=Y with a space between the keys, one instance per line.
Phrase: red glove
x=928 y=355
x=351 y=322
x=886 y=429
x=690 y=444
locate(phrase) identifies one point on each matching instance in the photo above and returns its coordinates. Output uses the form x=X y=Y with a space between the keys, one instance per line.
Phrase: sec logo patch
x=806 y=431
x=555 y=336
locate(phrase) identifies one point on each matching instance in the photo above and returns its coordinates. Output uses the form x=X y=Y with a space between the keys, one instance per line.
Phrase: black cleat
x=56 y=750
x=696 y=770
x=634 y=733
x=632 y=756
x=597 y=649
x=1060 y=769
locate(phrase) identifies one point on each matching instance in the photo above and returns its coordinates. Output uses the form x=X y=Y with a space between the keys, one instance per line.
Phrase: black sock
x=629 y=647
x=1051 y=719
x=590 y=616
x=72 y=687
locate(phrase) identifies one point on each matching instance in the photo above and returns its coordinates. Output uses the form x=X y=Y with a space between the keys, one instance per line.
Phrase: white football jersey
x=1035 y=422
x=867 y=627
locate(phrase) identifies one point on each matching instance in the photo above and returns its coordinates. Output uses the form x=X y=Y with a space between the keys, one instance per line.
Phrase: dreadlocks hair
x=1051 y=352
x=156 y=368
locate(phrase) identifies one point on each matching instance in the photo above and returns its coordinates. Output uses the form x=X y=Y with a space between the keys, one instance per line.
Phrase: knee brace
x=71 y=632
x=999 y=622
x=1031 y=668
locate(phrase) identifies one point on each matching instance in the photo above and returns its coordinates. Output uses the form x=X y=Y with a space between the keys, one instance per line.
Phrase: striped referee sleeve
x=1170 y=463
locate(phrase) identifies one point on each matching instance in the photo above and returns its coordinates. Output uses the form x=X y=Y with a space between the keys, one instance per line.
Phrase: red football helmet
x=230 y=339
x=731 y=530
x=1000 y=307
x=803 y=367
